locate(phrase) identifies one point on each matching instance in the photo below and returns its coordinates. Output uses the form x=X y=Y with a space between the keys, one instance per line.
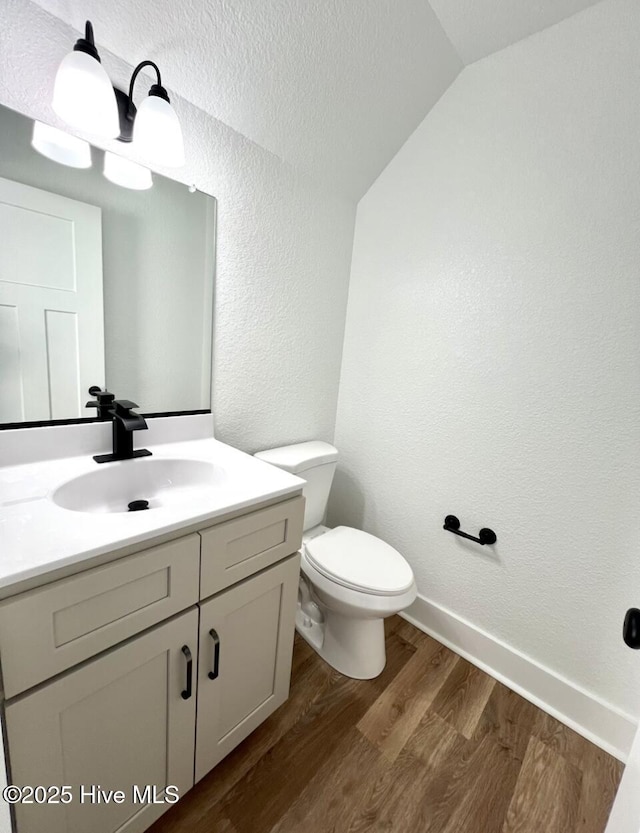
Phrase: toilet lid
x=360 y=561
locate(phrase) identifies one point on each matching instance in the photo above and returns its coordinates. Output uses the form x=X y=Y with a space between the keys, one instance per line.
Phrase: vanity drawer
x=236 y=549
x=48 y=630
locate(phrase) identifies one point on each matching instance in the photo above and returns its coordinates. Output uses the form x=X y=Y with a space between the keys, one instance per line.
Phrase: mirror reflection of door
x=51 y=304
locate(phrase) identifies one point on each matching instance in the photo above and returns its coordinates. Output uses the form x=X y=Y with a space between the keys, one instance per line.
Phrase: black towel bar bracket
x=485 y=536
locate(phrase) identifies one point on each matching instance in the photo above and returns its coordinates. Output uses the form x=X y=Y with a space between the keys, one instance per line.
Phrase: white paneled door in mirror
x=51 y=308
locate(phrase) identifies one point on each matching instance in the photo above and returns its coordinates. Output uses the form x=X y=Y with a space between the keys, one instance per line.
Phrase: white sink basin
x=162 y=482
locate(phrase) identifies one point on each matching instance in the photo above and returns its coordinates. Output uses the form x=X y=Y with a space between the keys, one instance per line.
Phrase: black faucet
x=125 y=422
x=103 y=402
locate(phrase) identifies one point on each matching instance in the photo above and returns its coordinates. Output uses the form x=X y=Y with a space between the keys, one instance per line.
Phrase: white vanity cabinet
x=148 y=670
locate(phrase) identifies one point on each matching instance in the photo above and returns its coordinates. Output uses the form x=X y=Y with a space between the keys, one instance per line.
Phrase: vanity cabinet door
x=246 y=642
x=117 y=721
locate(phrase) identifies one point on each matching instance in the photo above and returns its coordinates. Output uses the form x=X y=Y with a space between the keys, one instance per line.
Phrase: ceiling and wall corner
x=332 y=88
x=477 y=28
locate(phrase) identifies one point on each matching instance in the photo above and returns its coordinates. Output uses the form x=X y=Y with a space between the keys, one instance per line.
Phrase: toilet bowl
x=350 y=580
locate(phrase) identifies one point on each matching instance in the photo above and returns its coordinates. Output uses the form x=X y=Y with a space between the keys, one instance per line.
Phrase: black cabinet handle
x=187 y=692
x=213 y=675
x=631 y=628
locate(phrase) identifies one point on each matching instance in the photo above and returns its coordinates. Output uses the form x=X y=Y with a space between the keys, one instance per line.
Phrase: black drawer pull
x=187 y=692
x=631 y=628
x=213 y=675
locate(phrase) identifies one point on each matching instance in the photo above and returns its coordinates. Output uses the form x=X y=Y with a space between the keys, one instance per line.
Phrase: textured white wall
x=491 y=362
x=283 y=252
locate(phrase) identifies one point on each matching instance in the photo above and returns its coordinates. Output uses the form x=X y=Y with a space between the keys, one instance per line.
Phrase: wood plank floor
x=433 y=745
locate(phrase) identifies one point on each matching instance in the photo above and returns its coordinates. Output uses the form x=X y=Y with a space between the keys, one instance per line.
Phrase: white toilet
x=350 y=580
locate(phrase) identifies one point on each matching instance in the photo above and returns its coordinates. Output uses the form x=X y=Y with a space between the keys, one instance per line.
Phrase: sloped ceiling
x=477 y=28
x=333 y=87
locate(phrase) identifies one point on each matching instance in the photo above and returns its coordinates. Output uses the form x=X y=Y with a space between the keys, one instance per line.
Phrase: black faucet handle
x=123 y=414
x=96 y=390
x=121 y=406
x=103 y=401
x=102 y=397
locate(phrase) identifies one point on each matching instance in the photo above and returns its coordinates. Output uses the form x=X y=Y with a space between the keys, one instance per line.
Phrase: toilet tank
x=314 y=462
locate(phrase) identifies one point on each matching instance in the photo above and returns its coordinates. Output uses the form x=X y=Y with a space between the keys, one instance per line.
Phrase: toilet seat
x=359 y=561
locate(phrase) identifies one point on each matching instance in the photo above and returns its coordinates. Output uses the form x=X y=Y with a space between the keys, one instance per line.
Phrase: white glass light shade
x=60 y=146
x=126 y=173
x=157 y=134
x=83 y=96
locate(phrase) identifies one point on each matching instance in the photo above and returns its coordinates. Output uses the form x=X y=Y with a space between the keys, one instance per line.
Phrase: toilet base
x=354 y=647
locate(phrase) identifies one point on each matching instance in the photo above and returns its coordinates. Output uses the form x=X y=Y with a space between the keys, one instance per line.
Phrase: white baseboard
x=599 y=722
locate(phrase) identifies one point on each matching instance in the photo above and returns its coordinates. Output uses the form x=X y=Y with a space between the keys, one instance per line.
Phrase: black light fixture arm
x=87 y=43
x=126 y=107
x=156 y=89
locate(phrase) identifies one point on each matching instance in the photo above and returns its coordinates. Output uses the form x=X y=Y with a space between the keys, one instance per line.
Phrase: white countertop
x=37 y=536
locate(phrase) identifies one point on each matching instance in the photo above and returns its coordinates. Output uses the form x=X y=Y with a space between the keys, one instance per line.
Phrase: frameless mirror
x=106 y=278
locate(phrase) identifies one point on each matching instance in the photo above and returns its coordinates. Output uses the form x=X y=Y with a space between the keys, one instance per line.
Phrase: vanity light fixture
x=153 y=126
x=60 y=146
x=83 y=94
x=124 y=172
x=85 y=98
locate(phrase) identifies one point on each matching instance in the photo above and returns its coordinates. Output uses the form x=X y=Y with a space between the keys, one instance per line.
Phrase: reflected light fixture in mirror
x=85 y=98
x=124 y=172
x=60 y=146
